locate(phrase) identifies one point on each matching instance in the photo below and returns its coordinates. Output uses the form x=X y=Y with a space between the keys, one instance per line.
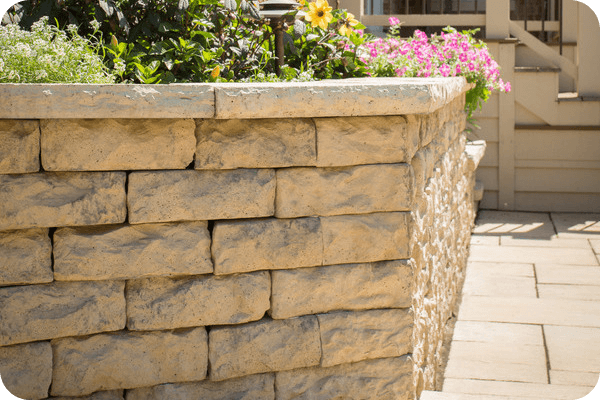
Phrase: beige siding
x=559 y=202
x=557 y=180
x=558 y=145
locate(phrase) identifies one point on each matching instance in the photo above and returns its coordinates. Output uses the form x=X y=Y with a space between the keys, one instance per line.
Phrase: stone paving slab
x=573 y=348
x=430 y=395
x=527 y=390
x=571 y=243
x=572 y=292
x=485 y=240
x=516 y=224
x=578 y=225
x=493 y=332
x=547 y=255
x=499 y=279
x=568 y=274
x=498 y=371
x=589 y=379
x=595 y=245
x=526 y=310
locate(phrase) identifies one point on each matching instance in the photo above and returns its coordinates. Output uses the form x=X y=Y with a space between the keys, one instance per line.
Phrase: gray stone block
x=241 y=246
x=128 y=360
x=255 y=143
x=59 y=309
x=19 y=146
x=131 y=251
x=164 y=196
x=340 y=287
x=62 y=199
x=164 y=303
x=338 y=191
x=263 y=346
x=117 y=144
x=25 y=257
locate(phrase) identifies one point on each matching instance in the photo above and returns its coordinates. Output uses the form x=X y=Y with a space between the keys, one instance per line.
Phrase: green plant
x=47 y=54
x=324 y=43
x=451 y=53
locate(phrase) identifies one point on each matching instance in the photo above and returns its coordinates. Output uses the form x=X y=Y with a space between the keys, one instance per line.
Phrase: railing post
x=588 y=50
x=497 y=16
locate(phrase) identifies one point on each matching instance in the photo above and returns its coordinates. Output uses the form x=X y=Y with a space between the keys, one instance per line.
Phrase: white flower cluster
x=47 y=54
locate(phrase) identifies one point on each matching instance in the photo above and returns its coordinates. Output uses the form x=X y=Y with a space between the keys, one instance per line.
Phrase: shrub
x=47 y=54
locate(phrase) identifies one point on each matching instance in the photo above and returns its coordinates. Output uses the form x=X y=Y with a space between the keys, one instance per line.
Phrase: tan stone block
x=349 y=190
x=117 y=144
x=251 y=387
x=164 y=303
x=62 y=199
x=263 y=346
x=386 y=378
x=568 y=274
x=131 y=251
x=200 y=195
x=572 y=292
x=25 y=257
x=341 y=287
x=589 y=379
x=128 y=360
x=241 y=246
x=356 y=336
x=366 y=140
x=104 y=395
x=19 y=146
x=26 y=369
x=365 y=238
x=60 y=309
x=255 y=143
x=495 y=332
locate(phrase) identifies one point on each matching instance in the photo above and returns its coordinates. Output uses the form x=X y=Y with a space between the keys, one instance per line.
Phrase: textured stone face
x=387 y=378
x=128 y=360
x=19 y=146
x=26 y=369
x=60 y=309
x=116 y=144
x=264 y=346
x=251 y=387
x=255 y=143
x=163 y=303
x=340 y=287
x=241 y=246
x=25 y=257
x=131 y=251
x=104 y=395
x=200 y=195
x=366 y=140
x=62 y=199
x=365 y=238
x=349 y=337
x=350 y=190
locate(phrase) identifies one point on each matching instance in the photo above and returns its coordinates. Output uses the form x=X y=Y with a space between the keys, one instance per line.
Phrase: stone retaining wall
x=232 y=241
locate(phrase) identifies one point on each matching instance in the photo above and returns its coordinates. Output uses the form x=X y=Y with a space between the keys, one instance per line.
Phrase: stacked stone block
x=221 y=258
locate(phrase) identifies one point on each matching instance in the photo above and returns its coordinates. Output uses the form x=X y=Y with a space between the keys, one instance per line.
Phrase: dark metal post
x=560 y=26
x=526 y=13
x=279 y=12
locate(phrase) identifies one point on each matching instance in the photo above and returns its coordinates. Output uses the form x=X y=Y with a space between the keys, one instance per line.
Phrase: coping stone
x=365 y=97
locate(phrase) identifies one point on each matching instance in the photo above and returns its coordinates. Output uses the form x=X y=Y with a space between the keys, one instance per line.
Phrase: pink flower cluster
x=449 y=54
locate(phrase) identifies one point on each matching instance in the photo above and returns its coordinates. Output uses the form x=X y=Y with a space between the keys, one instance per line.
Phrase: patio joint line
x=535 y=279
x=548 y=366
x=553 y=224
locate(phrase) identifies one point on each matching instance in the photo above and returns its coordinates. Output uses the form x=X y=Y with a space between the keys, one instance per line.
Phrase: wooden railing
x=544 y=17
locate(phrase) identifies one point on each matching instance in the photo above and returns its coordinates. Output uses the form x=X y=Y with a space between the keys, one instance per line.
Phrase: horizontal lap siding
x=557 y=170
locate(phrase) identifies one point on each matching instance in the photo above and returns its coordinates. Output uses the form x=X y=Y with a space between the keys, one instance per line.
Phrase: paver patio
x=529 y=322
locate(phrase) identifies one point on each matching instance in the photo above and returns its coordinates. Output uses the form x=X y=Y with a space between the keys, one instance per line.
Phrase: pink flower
x=445 y=70
x=394 y=21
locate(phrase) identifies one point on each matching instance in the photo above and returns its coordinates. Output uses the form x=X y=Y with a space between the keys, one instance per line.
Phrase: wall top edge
x=332 y=98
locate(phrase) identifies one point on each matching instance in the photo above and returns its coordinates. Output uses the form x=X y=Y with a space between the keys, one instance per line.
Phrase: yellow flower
x=347 y=24
x=215 y=72
x=114 y=41
x=319 y=14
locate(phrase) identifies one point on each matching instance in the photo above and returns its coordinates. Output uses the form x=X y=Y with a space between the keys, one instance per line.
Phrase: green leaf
x=230 y=5
x=299 y=28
